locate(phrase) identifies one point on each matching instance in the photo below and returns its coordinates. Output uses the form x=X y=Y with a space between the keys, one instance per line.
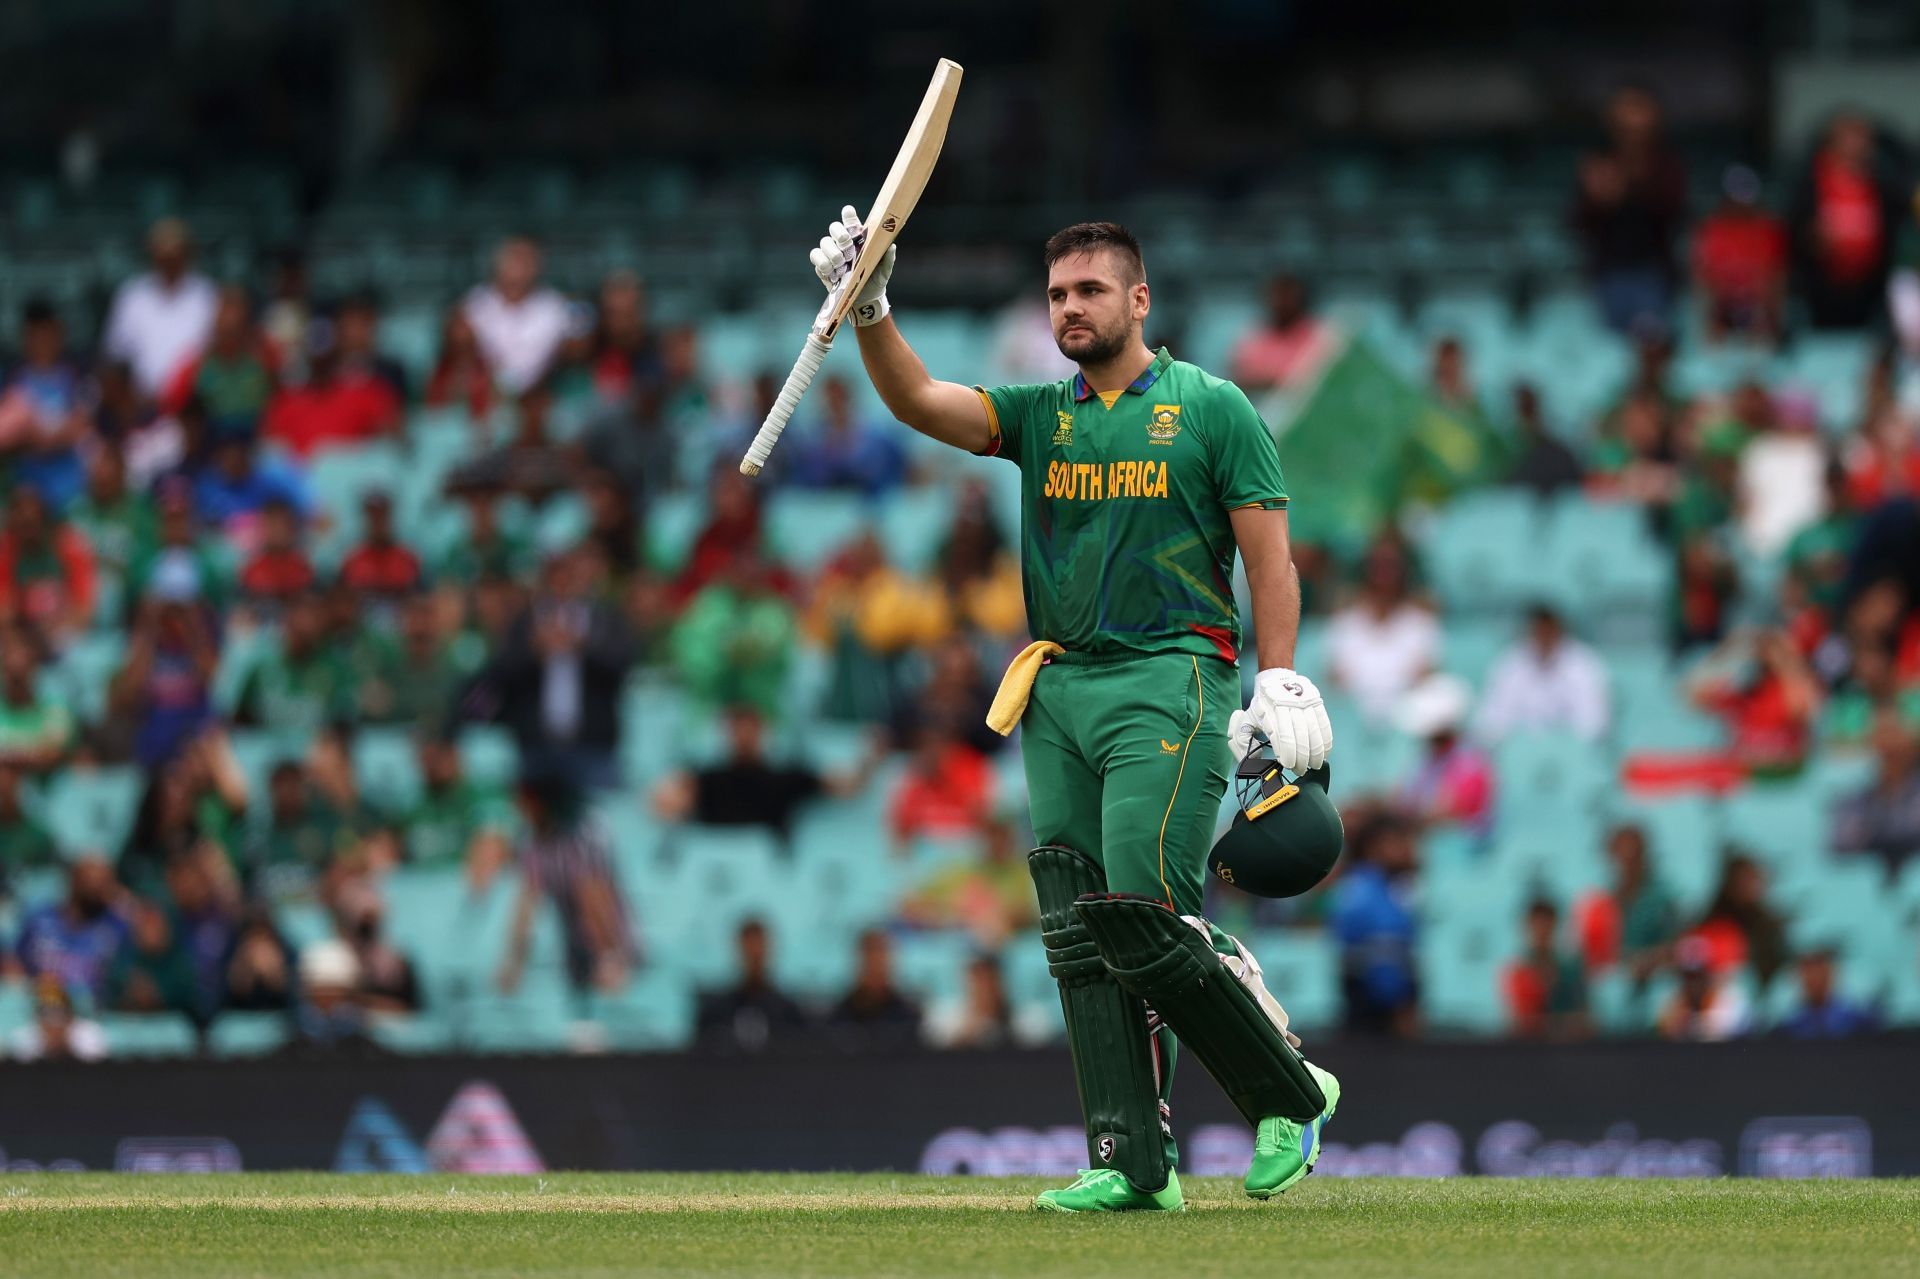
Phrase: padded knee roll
x=1107 y=1028
x=1168 y=963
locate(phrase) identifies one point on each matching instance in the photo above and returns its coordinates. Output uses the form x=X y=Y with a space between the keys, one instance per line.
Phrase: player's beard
x=1097 y=347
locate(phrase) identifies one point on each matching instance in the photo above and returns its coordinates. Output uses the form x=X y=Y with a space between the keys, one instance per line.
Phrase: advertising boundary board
x=1637 y=1109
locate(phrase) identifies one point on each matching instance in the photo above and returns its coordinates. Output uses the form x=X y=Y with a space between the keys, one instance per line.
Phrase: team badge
x=1063 y=432
x=1164 y=424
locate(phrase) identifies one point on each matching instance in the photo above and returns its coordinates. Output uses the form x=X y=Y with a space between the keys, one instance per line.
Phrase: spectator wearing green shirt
x=419 y=686
x=486 y=548
x=36 y=730
x=456 y=821
x=116 y=520
x=195 y=805
x=24 y=842
x=735 y=640
x=298 y=838
x=1817 y=554
x=154 y=973
x=303 y=683
x=179 y=551
x=47 y=575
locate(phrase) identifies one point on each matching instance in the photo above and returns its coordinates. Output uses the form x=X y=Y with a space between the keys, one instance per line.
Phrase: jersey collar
x=1139 y=385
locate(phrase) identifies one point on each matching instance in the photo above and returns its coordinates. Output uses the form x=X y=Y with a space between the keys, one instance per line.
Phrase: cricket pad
x=1168 y=963
x=1107 y=1028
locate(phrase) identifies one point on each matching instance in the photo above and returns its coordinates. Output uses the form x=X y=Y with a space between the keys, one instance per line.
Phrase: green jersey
x=1125 y=537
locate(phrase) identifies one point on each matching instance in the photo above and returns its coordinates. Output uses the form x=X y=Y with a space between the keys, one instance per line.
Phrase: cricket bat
x=891 y=208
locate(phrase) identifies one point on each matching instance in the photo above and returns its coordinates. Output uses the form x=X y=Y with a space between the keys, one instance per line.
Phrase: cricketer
x=1140 y=478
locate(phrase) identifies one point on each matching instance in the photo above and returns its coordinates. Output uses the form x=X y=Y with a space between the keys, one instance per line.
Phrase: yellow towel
x=1010 y=703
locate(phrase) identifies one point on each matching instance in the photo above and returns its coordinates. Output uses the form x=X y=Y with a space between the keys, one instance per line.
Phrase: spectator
x=385 y=981
x=1871 y=687
x=487 y=548
x=1383 y=643
x=531 y=464
x=564 y=857
x=162 y=318
x=456 y=821
x=1634 y=922
x=735 y=640
x=56 y=1032
x=43 y=419
x=874 y=1012
x=615 y=534
x=460 y=376
x=260 y=968
x=348 y=399
x=327 y=1013
x=203 y=921
x=1824 y=1013
x=1740 y=263
x=24 y=842
x=1882 y=460
x=1846 y=216
x=1288 y=350
x=232 y=489
x=1545 y=987
x=1548 y=683
x=194 y=805
x=153 y=974
x=1541 y=462
x=77 y=941
x=1882 y=819
x=732 y=531
x=1781 y=485
x=380 y=568
x=426 y=679
x=300 y=684
x=556 y=678
x=745 y=788
x=36 y=729
x=982 y=1016
x=846 y=453
x=164 y=693
x=1448 y=382
x=288 y=313
x=1373 y=920
x=46 y=570
x=1739 y=929
x=1816 y=556
x=1454 y=784
x=957 y=693
x=1769 y=707
x=1705 y=587
x=234 y=378
x=754 y=1012
x=868 y=615
x=1637 y=459
x=980 y=574
x=518 y=323
x=117 y=521
x=1707 y=1007
x=192 y=565
x=298 y=837
x=280 y=569
x=991 y=898
x=625 y=354
x=1631 y=202
x=947 y=793
x=356 y=337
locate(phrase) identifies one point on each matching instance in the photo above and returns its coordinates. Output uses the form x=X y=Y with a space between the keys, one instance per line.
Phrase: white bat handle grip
x=798 y=381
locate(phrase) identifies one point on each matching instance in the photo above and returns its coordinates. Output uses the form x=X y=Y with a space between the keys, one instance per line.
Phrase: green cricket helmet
x=1286 y=836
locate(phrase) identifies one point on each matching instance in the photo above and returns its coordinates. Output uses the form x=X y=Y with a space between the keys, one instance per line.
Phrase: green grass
x=736 y=1224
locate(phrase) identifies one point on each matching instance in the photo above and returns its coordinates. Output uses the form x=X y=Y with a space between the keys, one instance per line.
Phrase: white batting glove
x=1289 y=711
x=833 y=258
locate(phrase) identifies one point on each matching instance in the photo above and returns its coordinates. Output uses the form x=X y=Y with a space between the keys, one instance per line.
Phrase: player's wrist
x=870 y=311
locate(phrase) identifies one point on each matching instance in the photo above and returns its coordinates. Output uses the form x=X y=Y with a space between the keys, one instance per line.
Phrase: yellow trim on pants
x=1199 y=718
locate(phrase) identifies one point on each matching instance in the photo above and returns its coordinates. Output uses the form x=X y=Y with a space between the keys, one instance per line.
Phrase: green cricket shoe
x=1284 y=1150
x=1108 y=1190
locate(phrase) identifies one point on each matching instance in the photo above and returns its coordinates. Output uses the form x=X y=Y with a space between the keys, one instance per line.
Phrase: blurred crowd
x=158 y=487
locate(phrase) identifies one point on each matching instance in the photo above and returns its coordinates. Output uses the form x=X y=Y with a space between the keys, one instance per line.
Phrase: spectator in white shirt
x=1383 y=643
x=1548 y=682
x=519 y=323
x=161 y=319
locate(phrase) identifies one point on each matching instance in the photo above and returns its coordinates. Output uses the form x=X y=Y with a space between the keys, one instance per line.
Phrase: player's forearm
x=945 y=411
x=1275 y=586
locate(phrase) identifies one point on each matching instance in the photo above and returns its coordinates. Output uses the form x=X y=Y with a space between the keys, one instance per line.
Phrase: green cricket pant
x=1127 y=760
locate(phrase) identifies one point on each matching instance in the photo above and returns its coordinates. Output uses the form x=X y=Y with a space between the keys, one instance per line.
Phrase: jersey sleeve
x=1009 y=413
x=1246 y=461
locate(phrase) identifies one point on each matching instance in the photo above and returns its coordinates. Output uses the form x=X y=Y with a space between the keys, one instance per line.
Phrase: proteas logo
x=1164 y=424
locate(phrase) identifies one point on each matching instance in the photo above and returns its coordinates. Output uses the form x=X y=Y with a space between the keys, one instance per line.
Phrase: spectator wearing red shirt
x=947 y=792
x=340 y=403
x=1289 y=349
x=625 y=354
x=733 y=530
x=280 y=571
x=47 y=575
x=1740 y=263
x=1882 y=460
x=1769 y=710
x=460 y=377
x=380 y=566
x=1846 y=217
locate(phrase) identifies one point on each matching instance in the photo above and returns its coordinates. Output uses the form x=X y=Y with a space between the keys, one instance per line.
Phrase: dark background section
x=880 y=1111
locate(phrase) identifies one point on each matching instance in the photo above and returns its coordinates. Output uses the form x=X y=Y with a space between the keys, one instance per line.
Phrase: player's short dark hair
x=1086 y=237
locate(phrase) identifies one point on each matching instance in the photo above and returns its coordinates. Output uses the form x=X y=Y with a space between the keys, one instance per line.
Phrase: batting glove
x=834 y=258
x=1289 y=711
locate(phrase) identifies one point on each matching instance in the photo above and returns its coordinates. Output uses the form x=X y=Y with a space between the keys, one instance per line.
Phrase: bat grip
x=796 y=386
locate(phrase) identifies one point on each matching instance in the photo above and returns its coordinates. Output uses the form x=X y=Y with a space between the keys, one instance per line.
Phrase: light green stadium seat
x=387 y=766
x=340 y=479
x=90 y=810
x=426 y=1031
x=16 y=1007
x=1618 y=1005
x=812 y=961
x=1302 y=969
x=1023 y=969
x=1833 y=367
x=1784 y=823
x=1553 y=771
x=1683 y=843
x=1481 y=550
x=489 y=755
x=538 y=1017
x=411 y=335
x=1606 y=570
x=1469 y=647
x=1563 y=866
x=653 y=1013
x=303 y=923
x=1461 y=959
x=913 y=525
x=673 y=522
x=634 y=835
x=931 y=965
x=148 y=1034
x=809 y=528
x=561 y=523
x=238 y=1034
x=87 y=669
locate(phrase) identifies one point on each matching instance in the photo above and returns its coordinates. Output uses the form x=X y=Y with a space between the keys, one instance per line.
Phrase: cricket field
x=273 y=1224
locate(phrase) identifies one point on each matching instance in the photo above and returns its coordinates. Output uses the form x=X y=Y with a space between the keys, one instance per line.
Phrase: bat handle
x=796 y=386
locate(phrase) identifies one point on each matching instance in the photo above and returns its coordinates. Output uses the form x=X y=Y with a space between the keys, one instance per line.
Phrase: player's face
x=1096 y=312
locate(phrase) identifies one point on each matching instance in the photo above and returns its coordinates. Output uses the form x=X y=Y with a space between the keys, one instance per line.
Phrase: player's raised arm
x=946 y=411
